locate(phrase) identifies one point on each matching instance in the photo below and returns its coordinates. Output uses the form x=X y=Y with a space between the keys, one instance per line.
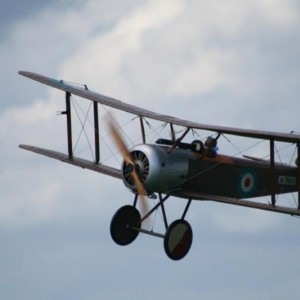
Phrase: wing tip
x=25 y=147
x=23 y=73
x=27 y=74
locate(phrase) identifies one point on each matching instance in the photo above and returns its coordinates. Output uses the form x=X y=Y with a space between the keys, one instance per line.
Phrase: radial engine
x=159 y=171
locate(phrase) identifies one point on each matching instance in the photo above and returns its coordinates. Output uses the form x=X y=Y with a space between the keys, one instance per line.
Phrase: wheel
x=121 y=225
x=178 y=239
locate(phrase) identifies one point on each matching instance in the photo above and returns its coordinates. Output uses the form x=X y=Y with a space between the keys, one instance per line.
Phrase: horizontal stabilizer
x=80 y=162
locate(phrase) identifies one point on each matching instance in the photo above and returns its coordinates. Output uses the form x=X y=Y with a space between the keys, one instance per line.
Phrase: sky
x=233 y=63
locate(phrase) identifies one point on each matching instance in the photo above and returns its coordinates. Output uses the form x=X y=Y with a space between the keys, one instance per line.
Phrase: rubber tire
x=178 y=239
x=123 y=220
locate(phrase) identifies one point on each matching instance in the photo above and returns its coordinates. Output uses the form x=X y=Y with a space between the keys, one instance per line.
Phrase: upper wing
x=83 y=163
x=60 y=84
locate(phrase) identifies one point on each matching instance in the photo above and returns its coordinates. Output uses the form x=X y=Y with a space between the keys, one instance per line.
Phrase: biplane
x=191 y=170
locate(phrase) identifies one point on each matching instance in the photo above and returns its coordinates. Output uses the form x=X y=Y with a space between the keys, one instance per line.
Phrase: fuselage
x=181 y=172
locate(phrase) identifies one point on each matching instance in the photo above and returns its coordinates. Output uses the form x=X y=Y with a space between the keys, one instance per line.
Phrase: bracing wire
x=83 y=131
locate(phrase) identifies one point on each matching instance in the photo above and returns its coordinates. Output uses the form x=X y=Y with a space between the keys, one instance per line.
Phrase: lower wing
x=83 y=163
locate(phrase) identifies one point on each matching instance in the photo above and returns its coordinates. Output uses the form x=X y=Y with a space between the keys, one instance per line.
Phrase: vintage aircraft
x=170 y=167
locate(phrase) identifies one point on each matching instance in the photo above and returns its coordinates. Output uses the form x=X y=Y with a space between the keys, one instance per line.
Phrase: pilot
x=210 y=146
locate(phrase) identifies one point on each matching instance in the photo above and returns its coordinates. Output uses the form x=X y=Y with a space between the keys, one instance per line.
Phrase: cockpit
x=208 y=148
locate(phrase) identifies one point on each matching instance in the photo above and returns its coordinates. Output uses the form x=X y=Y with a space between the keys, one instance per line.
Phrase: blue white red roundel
x=247 y=182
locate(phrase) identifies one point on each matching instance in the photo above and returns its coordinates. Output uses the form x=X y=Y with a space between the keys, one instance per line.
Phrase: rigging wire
x=82 y=126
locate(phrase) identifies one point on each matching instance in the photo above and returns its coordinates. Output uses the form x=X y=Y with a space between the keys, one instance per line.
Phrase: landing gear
x=178 y=239
x=125 y=225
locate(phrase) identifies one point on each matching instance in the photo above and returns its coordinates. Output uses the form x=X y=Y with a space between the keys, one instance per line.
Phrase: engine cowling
x=159 y=171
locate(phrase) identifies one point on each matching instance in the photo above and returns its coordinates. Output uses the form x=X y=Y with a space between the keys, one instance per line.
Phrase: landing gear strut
x=126 y=226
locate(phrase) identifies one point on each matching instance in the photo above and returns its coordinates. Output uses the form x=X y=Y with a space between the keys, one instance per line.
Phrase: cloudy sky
x=232 y=63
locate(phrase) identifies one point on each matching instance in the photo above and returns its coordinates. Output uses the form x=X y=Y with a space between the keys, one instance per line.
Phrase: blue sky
x=235 y=63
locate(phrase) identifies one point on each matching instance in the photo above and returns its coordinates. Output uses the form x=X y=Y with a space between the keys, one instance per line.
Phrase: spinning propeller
x=132 y=167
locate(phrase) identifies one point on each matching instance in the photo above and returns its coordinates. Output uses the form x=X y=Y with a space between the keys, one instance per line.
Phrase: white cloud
x=176 y=49
x=279 y=13
x=102 y=59
x=38 y=112
x=28 y=204
x=207 y=68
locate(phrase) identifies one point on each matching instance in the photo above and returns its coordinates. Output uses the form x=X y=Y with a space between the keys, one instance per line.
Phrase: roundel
x=247 y=182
